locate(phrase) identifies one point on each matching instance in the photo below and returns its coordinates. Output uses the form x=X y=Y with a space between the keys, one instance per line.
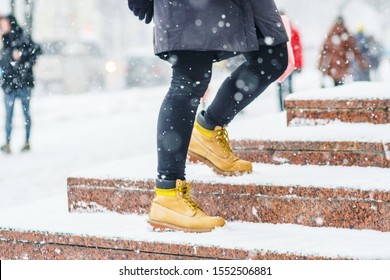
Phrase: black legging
x=190 y=78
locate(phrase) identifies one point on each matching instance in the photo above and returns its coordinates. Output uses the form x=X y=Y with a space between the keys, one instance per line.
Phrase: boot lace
x=185 y=192
x=222 y=138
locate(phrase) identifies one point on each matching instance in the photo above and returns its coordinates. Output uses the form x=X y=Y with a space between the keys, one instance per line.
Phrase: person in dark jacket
x=17 y=59
x=371 y=53
x=191 y=35
x=339 y=45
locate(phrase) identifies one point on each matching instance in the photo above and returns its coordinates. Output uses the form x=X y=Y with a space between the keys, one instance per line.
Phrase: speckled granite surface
x=337 y=153
x=311 y=206
x=25 y=245
x=301 y=112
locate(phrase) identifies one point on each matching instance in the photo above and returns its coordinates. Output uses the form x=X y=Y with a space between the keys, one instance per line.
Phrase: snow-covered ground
x=77 y=132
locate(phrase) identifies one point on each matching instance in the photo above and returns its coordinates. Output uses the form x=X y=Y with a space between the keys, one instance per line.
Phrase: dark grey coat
x=224 y=26
x=17 y=74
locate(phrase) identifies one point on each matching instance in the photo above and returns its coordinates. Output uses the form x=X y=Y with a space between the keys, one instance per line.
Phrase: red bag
x=291 y=60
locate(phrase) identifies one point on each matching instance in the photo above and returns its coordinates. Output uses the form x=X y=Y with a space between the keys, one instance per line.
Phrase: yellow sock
x=203 y=131
x=166 y=192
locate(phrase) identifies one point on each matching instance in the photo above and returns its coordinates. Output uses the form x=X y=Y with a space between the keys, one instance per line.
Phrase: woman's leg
x=246 y=83
x=9 y=100
x=191 y=74
x=25 y=97
x=172 y=206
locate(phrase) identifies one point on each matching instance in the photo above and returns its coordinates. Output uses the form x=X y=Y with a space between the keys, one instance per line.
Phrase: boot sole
x=195 y=158
x=165 y=226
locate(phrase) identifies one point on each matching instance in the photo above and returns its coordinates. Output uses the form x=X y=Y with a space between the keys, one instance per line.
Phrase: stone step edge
x=16 y=244
x=312 y=208
x=311 y=145
x=320 y=153
x=314 y=192
x=301 y=117
x=367 y=104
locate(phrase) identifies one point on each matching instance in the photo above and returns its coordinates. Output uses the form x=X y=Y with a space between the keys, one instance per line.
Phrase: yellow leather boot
x=212 y=148
x=174 y=209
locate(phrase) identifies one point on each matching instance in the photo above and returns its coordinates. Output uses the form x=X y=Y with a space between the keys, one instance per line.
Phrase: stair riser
x=270 y=204
x=353 y=104
x=32 y=251
x=314 y=153
x=356 y=104
x=17 y=245
x=314 y=158
x=317 y=112
x=298 y=117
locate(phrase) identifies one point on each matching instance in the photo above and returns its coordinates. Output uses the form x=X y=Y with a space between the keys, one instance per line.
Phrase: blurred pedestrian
x=192 y=35
x=337 y=51
x=359 y=74
x=286 y=87
x=17 y=58
x=372 y=52
x=375 y=55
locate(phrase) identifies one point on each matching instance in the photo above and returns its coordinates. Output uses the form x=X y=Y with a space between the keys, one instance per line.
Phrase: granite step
x=361 y=102
x=27 y=245
x=317 y=196
x=267 y=139
x=314 y=152
x=45 y=230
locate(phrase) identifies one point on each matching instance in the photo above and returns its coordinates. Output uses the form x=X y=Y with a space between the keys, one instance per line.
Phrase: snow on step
x=320 y=196
x=257 y=129
x=336 y=144
x=353 y=91
x=267 y=139
x=360 y=102
x=356 y=178
x=45 y=230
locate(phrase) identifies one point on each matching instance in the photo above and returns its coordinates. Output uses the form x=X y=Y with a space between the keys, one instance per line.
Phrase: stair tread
x=360 y=178
x=273 y=128
x=51 y=216
x=354 y=91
